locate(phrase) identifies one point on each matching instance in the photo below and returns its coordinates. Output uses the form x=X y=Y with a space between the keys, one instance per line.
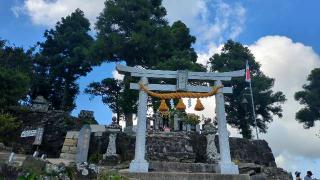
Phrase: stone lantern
x=40 y=104
x=210 y=130
x=111 y=155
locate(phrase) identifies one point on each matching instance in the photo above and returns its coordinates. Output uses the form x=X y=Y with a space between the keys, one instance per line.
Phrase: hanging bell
x=199 y=106
x=163 y=106
x=181 y=106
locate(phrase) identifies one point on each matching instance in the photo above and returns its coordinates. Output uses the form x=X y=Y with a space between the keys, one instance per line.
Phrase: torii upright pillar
x=139 y=163
x=226 y=166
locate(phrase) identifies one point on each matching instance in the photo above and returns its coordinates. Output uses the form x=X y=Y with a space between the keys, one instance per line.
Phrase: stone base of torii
x=139 y=163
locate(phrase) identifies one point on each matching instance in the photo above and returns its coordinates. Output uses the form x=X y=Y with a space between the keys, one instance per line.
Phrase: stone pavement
x=4 y=157
x=183 y=176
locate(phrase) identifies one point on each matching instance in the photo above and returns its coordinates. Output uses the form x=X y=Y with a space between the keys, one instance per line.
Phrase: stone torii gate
x=139 y=164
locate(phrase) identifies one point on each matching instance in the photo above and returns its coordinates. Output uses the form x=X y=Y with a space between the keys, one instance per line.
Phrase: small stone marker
x=188 y=127
x=39 y=135
x=176 y=120
x=198 y=128
x=43 y=156
x=11 y=157
x=35 y=154
x=83 y=144
x=111 y=150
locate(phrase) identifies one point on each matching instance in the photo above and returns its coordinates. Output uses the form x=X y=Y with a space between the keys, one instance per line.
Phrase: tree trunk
x=128 y=118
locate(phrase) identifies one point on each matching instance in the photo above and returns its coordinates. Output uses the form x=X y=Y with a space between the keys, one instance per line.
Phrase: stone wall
x=69 y=148
x=185 y=147
x=173 y=147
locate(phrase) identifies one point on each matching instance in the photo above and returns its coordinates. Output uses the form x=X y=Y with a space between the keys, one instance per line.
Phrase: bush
x=8 y=125
x=192 y=119
x=95 y=158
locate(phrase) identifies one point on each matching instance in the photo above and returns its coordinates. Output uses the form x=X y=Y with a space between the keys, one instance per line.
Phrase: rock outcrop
x=55 y=124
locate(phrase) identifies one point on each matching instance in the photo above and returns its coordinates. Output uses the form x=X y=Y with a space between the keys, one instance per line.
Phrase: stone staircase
x=162 y=166
x=183 y=176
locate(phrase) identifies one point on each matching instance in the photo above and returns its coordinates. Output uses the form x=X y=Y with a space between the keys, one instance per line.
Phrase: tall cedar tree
x=310 y=98
x=110 y=90
x=137 y=32
x=62 y=59
x=133 y=31
x=267 y=103
x=15 y=70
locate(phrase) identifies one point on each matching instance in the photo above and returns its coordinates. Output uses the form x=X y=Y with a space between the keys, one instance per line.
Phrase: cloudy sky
x=282 y=35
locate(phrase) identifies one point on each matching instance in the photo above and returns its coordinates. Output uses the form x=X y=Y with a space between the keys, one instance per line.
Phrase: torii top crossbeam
x=182 y=77
x=138 y=72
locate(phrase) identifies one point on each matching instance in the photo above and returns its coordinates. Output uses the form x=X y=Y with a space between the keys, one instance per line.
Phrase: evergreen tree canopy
x=15 y=69
x=133 y=31
x=109 y=89
x=310 y=98
x=267 y=102
x=62 y=59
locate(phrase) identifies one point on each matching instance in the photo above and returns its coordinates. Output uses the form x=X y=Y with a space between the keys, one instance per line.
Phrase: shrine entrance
x=139 y=163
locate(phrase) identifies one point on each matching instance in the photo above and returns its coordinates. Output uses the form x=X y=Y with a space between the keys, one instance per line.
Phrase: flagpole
x=253 y=111
x=248 y=79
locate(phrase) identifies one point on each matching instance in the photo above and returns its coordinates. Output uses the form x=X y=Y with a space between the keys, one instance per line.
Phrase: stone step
x=162 y=166
x=183 y=176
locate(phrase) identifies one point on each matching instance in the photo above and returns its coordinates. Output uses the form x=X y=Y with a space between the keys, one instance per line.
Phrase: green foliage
x=15 y=68
x=63 y=58
x=191 y=118
x=88 y=121
x=29 y=176
x=267 y=102
x=111 y=175
x=71 y=171
x=13 y=87
x=133 y=31
x=95 y=158
x=8 y=125
x=310 y=98
x=110 y=90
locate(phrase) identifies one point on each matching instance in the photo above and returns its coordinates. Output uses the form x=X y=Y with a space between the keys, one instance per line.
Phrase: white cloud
x=116 y=75
x=203 y=57
x=47 y=13
x=289 y=63
x=211 y=21
x=294 y=163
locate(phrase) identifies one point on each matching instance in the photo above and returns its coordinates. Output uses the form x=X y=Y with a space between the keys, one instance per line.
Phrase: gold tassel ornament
x=199 y=105
x=163 y=106
x=181 y=106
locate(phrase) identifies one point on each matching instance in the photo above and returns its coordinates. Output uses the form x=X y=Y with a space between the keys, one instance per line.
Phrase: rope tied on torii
x=179 y=95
